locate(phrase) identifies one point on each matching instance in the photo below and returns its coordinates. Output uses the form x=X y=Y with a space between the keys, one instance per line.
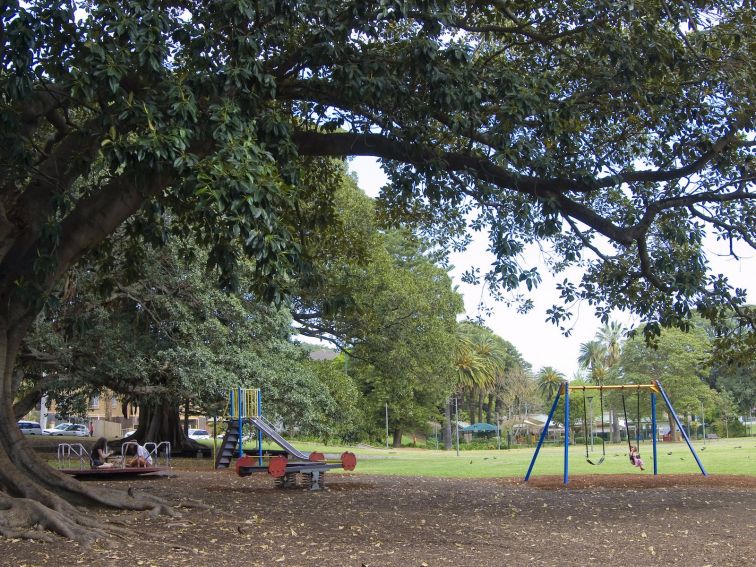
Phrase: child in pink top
x=635 y=457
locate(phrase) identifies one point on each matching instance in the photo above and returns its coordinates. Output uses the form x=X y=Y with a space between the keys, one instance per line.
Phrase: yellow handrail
x=250 y=406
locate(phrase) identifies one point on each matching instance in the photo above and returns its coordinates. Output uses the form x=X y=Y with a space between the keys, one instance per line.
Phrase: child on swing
x=635 y=457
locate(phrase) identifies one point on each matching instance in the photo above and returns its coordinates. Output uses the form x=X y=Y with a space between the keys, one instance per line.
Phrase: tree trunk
x=107 y=399
x=186 y=417
x=448 y=442
x=397 y=444
x=674 y=434
x=616 y=437
x=32 y=494
x=161 y=421
x=490 y=408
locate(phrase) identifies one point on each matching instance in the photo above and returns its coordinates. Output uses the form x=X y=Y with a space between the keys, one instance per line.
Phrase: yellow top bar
x=652 y=387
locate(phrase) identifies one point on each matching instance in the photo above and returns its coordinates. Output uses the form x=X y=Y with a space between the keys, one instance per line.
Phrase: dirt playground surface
x=366 y=521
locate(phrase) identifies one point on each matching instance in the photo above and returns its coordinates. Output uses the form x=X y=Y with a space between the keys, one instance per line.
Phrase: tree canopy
x=617 y=135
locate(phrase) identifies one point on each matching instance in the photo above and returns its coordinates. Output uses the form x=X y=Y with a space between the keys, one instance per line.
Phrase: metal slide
x=268 y=430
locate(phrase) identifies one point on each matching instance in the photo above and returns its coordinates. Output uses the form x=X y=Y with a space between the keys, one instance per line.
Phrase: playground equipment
x=69 y=453
x=244 y=407
x=654 y=388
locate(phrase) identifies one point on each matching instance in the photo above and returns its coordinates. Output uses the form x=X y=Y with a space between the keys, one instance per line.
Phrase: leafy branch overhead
x=616 y=135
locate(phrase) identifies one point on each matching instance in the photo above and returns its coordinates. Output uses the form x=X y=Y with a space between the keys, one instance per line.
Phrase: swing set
x=655 y=388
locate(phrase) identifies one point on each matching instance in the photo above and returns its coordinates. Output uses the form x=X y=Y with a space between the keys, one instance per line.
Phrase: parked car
x=57 y=430
x=77 y=430
x=29 y=427
x=198 y=434
x=74 y=429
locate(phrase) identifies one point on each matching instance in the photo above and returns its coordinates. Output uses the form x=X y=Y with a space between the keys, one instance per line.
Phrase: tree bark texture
x=448 y=443
x=32 y=494
x=397 y=442
x=161 y=421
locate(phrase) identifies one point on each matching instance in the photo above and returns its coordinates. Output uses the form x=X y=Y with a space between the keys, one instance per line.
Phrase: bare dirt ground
x=386 y=521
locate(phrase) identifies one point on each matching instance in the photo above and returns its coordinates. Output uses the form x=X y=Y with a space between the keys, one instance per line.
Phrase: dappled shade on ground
x=387 y=521
x=639 y=480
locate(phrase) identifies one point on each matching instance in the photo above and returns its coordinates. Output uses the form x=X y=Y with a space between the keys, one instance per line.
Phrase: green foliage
x=679 y=362
x=383 y=299
x=479 y=358
x=70 y=404
x=549 y=381
x=616 y=134
x=343 y=418
x=173 y=335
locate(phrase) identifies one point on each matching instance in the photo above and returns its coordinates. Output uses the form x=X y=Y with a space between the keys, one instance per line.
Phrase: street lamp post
x=456 y=416
x=498 y=433
x=387 y=429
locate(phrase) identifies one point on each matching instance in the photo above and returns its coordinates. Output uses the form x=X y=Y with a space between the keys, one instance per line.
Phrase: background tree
x=679 y=362
x=384 y=301
x=549 y=382
x=601 y=356
x=402 y=334
x=344 y=418
x=601 y=133
x=732 y=370
x=172 y=341
x=514 y=383
x=480 y=361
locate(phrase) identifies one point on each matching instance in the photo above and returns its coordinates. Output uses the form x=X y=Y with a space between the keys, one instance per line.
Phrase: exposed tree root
x=29 y=519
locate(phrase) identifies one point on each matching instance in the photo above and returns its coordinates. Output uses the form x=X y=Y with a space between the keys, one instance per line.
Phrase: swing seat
x=590 y=462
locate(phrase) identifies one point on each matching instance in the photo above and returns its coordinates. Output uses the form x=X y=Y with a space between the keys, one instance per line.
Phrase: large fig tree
x=617 y=134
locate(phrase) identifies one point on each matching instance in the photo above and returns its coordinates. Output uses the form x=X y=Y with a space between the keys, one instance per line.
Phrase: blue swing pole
x=566 y=433
x=653 y=430
x=680 y=427
x=259 y=433
x=240 y=414
x=543 y=433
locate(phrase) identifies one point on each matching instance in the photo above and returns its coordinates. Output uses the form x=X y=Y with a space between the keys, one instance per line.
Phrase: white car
x=70 y=429
x=198 y=434
x=57 y=430
x=29 y=427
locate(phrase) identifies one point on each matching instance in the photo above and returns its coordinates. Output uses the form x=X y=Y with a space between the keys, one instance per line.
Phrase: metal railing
x=70 y=452
x=154 y=450
x=66 y=452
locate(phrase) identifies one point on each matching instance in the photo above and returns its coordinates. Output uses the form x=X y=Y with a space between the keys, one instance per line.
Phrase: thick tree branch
x=314 y=143
x=24 y=405
x=647 y=176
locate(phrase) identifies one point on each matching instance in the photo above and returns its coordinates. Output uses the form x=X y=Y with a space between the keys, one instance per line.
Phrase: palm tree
x=593 y=357
x=610 y=336
x=549 y=381
x=600 y=355
x=479 y=362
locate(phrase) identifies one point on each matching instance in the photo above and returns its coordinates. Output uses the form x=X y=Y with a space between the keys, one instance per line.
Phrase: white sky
x=541 y=343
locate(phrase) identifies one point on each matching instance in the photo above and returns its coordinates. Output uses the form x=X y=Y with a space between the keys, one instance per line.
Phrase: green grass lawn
x=722 y=456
